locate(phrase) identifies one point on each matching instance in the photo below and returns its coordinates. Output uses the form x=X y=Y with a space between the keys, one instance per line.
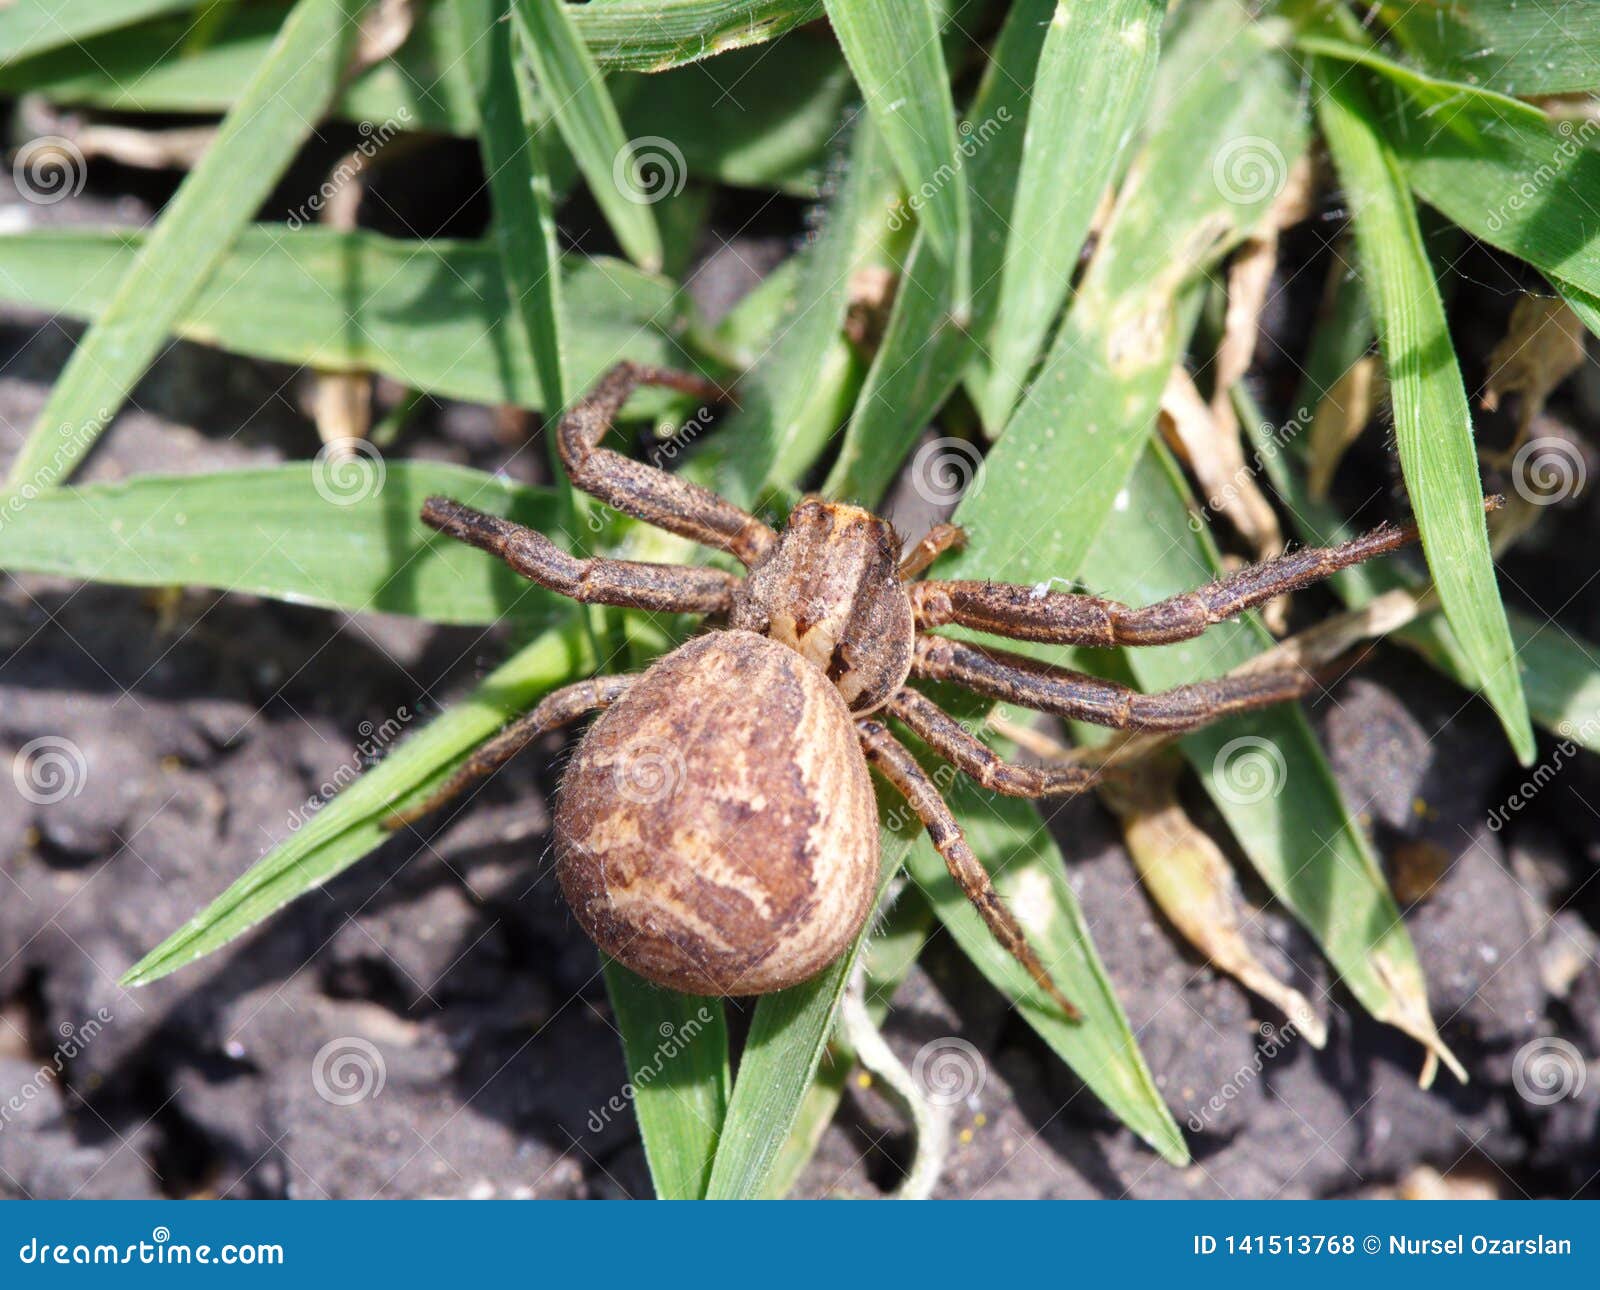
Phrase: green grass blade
x=767 y=441
x=889 y=955
x=787 y=1036
x=575 y=94
x=1560 y=672
x=1507 y=174
x=434 y=315
x=923 y=353
x=1548 y=47
x=676 y=1047
x=275 y=113
x=350 y=825
x=1433 y=426
x=343 y=534
x=1030 y=873
x=1299 y=835
x=524 y=223
x=1093 y=81
x=155 y=67
x=652 y=35
x=893 y=50
x=777 y=138
x=1207 y=175
x=34 y=26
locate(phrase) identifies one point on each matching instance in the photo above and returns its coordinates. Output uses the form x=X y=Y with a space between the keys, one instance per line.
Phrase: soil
x=205 y=719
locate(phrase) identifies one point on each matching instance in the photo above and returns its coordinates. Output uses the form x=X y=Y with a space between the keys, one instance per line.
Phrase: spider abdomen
x=717 y=831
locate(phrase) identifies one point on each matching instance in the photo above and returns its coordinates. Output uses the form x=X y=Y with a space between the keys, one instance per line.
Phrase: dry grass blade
x=1189 y=879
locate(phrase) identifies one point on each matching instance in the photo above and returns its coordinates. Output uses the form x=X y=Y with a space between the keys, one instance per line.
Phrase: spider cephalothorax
x=716 y=830
x=830 y=589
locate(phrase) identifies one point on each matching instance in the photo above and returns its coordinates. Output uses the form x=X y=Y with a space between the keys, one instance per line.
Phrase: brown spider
x=716 y=831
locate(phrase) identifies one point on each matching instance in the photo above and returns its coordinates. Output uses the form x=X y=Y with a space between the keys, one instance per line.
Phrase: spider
x=716 y=830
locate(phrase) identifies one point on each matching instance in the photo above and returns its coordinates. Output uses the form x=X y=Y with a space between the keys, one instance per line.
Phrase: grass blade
x=1030 y=873
x=343 y=534
x=1094 y=78
x=893 y=50
x=1552 y=47
x=1560 y=674
x=1300 y=835
x=787 y=1035
x=653 y=35
x=524 y=224
x=274 y=115
x=350 y=825
x=676 y=1048
x=1207 y=175
x=436 y=315
x=31 y=28
x=575 y=94
x=766 y=438
x=156 y=66
x=888 y=956
x=923 y=353
x=1433 y=426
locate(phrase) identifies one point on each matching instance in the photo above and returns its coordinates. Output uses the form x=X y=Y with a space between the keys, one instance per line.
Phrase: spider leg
x=1062 y=618
x=632 y=584
x=975 y=759
x=556 y=709
x=935 y=542
x=900 y=768
x=678 y=505
x=1013 y=678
